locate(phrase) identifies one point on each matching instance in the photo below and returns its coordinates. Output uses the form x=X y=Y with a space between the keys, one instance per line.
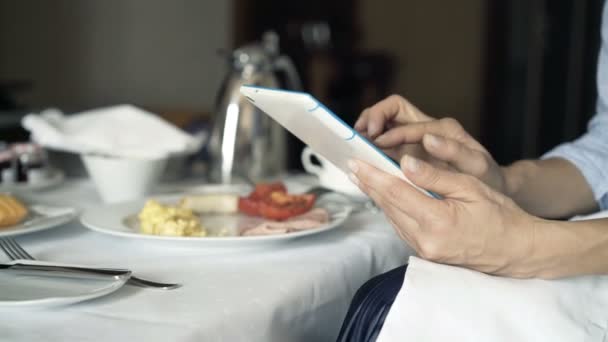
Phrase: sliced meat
x=319 y=215
x=310 y=220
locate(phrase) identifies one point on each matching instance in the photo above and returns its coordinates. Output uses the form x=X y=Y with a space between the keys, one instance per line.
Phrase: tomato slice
x=271 y=201
x=249 y=206
x=263 y=190
x=281 y=206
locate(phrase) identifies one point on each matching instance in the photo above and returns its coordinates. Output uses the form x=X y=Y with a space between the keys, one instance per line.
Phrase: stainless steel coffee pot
x=245 y=143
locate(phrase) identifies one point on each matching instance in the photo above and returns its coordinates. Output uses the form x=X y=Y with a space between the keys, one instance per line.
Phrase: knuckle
x=432 y=176
x=482 y=166
x=450 y=123
x=505 y=201
x=394 y=97
x=470 y=182
x=453 y=126
x=430 y=126
x=375 y=113
x=430 y=249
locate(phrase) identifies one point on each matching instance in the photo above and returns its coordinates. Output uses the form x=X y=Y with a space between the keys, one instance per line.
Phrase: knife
x=66 y=271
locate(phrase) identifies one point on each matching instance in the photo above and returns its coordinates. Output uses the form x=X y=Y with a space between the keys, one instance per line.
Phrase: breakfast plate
x=19 y=291
x=40 y=217
x=120 y=219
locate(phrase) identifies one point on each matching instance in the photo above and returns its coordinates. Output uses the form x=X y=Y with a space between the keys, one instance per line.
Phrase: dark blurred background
x=519 y=74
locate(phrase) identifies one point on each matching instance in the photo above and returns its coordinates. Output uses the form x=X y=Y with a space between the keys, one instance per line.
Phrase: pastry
x=12 y=211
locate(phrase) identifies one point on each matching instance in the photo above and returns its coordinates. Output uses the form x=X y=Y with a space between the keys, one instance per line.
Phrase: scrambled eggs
x=158 y=219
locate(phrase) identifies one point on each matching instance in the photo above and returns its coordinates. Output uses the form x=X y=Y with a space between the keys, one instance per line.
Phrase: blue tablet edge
x=355 y=133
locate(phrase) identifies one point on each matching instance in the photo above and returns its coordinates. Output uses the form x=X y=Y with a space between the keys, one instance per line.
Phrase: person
x=492 y=219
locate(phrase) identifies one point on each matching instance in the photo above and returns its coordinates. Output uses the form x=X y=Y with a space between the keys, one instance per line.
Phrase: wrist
x=549 y=255
x=523 y=249
x=515 y=175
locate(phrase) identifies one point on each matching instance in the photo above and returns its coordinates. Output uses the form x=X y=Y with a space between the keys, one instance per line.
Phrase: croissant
x=12 y=211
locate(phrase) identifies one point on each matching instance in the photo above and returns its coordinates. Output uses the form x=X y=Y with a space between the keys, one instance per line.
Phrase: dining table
x=292 y=290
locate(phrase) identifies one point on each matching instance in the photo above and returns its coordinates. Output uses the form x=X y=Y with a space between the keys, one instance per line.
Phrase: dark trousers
x=370 y=305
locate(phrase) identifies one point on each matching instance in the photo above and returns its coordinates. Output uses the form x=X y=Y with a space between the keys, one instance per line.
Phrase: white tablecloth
x=297 y=291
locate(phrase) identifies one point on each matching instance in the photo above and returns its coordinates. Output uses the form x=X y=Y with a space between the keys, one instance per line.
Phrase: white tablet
x=321 y=129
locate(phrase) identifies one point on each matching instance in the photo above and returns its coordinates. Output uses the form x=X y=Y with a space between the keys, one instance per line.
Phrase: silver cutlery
x=64 y=271
x=318 y=191
x=356 y=206
x=14 y=251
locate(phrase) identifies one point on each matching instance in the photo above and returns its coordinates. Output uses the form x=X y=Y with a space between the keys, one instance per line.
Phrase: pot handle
x=284 y=64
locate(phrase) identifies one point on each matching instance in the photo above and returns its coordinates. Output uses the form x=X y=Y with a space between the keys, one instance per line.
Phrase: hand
x=391 y=112
x=472 y=226
x=394 y=124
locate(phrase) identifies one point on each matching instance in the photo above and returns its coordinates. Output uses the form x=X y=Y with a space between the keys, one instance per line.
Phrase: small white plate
x=120 y=219
x=41 y=217
x=56 y=177
x=28 y=291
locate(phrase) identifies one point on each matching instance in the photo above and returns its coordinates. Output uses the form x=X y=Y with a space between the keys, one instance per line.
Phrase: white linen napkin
x=597 y=215
x=446 y=303
x=120 y=131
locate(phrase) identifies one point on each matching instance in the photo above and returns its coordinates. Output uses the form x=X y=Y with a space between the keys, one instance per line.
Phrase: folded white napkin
x=120 y=131
x=597 y=215
x=445 y=303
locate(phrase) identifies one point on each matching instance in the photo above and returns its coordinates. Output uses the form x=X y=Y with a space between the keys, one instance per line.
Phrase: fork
x=318 y=191
x=14 y=251
x=355 y=207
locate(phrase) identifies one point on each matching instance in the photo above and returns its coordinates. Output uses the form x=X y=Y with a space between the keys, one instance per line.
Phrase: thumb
x=443 y=182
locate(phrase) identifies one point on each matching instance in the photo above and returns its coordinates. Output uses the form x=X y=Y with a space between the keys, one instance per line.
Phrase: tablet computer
x=321 y=129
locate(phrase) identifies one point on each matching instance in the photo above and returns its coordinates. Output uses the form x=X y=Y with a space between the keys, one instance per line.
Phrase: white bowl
x=123 y=179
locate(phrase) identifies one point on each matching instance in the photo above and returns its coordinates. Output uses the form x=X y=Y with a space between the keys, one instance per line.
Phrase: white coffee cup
x=330 y=176
x=123 y=179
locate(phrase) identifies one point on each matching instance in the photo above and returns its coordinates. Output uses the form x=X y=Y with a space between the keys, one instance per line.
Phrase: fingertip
x=358 y=125
x=353 y=178
x=411 y=164
x=362 y=120
x=381 y=139
x=432 y=141
x=363 y=172
x=360 y=168
x=373 y=129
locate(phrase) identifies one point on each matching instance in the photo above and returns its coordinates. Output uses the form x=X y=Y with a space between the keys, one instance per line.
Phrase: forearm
x=552 y=188
x=565 y=248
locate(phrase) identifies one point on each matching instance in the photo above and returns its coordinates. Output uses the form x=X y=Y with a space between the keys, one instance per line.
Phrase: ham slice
x=310 y=220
